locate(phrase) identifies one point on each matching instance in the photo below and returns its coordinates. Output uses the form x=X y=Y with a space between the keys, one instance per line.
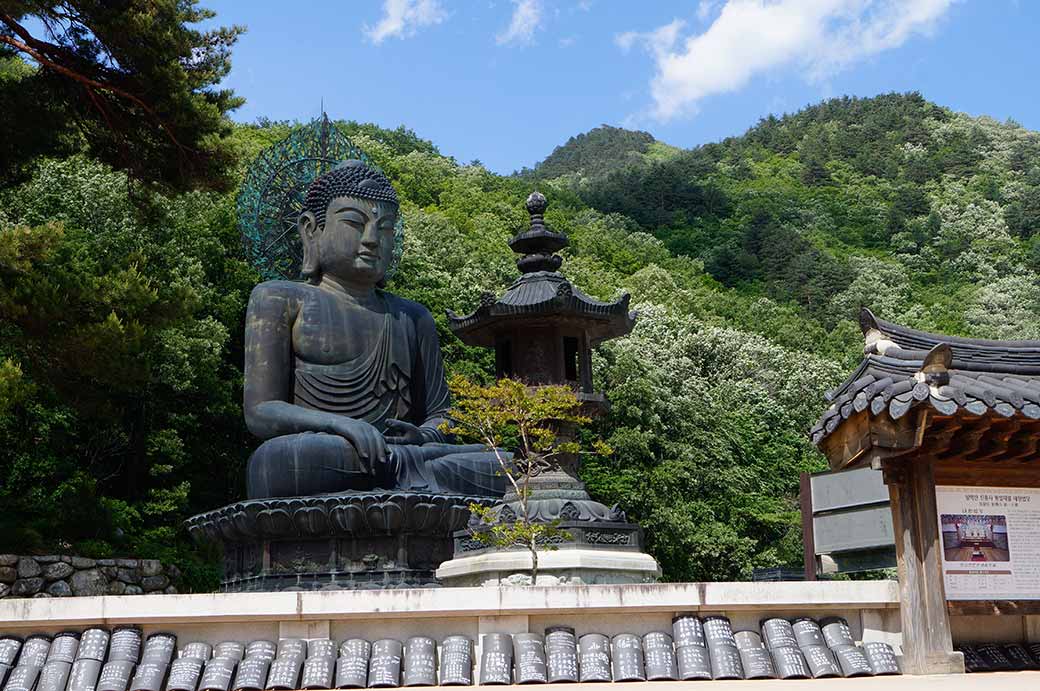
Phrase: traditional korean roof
x=542 y=292
x=904 y=368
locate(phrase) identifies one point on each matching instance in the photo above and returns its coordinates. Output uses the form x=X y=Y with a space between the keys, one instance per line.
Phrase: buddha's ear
x=310 y=268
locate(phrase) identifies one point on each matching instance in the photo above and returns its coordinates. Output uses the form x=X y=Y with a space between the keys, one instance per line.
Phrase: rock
x=173 y=572
x=59 y=589
x=127 y=563
x=153 y=583
x=89 y=582
x=134 y=590
x=24 y=587
x=28 y=568
x=66 y=558
x=8 y=559
x=111 y=572
x=129 y=575
x=170 y=590
x=49 y=559
x=116 y=588
x=5 y=590
x=83 y=563
x=42 y=595
x=57 y=571
x=8 y=574
x=106 y=562
x=151 y=567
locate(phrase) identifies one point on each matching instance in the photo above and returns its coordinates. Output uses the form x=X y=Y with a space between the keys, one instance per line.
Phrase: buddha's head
x=347 y=226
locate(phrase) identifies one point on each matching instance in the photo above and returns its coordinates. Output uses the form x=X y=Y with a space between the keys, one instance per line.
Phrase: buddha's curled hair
x=348 y=179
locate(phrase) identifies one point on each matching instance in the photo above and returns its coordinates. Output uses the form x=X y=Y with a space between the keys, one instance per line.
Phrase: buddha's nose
x=370 y=238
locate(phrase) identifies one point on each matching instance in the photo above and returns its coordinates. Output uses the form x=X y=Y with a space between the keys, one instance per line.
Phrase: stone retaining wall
x=66 y=576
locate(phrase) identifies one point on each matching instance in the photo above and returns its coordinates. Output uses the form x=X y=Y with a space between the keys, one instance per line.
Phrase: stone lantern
x=543 y=329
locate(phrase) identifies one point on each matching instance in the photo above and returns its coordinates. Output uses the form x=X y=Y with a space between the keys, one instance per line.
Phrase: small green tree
x=529 y=420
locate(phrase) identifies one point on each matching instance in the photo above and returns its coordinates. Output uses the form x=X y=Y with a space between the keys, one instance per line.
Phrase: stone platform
x=343 y=541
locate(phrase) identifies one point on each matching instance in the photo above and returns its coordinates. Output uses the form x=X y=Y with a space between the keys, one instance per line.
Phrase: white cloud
x=527 y=15
x=403 y=18
x=749 y=37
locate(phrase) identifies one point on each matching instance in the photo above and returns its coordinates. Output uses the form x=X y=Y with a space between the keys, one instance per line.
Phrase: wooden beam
x=927 y=641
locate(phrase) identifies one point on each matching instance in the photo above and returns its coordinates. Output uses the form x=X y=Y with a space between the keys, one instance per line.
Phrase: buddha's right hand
x=366 y=440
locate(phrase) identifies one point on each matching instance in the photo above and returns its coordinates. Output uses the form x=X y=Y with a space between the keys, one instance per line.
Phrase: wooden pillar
x=927 y=642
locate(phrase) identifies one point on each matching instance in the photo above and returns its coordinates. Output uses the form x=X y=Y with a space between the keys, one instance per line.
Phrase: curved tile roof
x=903 y=368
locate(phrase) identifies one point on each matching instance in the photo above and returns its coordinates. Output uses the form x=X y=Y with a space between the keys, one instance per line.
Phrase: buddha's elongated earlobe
x=310 y=268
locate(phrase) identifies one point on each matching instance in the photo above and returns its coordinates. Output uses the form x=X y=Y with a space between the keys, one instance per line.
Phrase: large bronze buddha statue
x=344 y=381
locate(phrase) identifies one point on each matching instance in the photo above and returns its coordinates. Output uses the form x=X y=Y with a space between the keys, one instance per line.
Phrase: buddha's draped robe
x=400 y=376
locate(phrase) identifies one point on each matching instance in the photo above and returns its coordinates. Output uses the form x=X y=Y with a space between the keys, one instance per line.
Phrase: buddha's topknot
x=348 y=179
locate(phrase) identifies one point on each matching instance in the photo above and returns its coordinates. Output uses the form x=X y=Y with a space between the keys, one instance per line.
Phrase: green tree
x=133 y=82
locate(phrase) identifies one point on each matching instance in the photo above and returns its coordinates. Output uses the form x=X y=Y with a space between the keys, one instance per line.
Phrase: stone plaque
x=197 y=650
x=125 y=646
x=718 y=631
x=295 y=648
x=594 y=658
x=251 y=674
x=852 y=661
x=54 y=676
x=693 y=662
x=231 y=650
x=217 y=674
x=320 y=647
x=529 y=658
x=790 y=663
x=496 y=659
x=747 y=639
x=882 y=658
x=22 y=678
x=973 y=662
x=352 y=665
x=420 y=662
x=159 y=648
x=807 y=632
x=456 y=661
x=115 y=675
x=561 y=654
x=93 y=645
x=285 y=672
x=9 y=647
x=991 y=653
x=1016 y=653
x=821 y=662
x=148 y=676
x=318 y=672
x=626 y=658
x=84 y=674
x=184 y=674
x=836 y=632
x=64 y=647
x=34 y=651
x=778 y=633
x=757 y=663
x=384 y=668
x=659 y=657
x=687 y=630
x=725 y=660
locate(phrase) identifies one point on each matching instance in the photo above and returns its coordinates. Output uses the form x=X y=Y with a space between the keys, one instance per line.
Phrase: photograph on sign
x=989 y=546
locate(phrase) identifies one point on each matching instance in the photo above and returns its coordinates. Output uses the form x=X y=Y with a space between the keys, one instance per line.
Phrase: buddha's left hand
x=402 y=433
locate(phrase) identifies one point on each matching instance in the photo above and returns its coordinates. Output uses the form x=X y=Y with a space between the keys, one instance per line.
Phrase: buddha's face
x=357 y=242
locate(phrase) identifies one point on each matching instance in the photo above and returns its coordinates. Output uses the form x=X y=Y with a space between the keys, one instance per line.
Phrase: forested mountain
x=121 y=312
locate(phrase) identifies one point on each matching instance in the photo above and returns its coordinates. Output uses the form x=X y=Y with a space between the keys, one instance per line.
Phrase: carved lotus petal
x=311 y=520
x=275 y=522
x=244 y=524
x=425 y=517
x=349 y=518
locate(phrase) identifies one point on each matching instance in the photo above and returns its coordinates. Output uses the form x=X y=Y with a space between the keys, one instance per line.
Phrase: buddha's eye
x=353 y=219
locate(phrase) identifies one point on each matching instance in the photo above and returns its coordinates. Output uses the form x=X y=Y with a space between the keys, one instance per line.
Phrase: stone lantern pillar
x=543 y=330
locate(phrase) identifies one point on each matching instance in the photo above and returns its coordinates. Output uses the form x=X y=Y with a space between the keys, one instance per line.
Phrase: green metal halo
x=271 y=198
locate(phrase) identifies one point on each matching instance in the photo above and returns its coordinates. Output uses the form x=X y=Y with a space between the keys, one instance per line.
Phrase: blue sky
x=505 y=81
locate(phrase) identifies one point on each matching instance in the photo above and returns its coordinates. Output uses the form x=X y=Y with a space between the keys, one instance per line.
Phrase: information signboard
x=990 y=542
